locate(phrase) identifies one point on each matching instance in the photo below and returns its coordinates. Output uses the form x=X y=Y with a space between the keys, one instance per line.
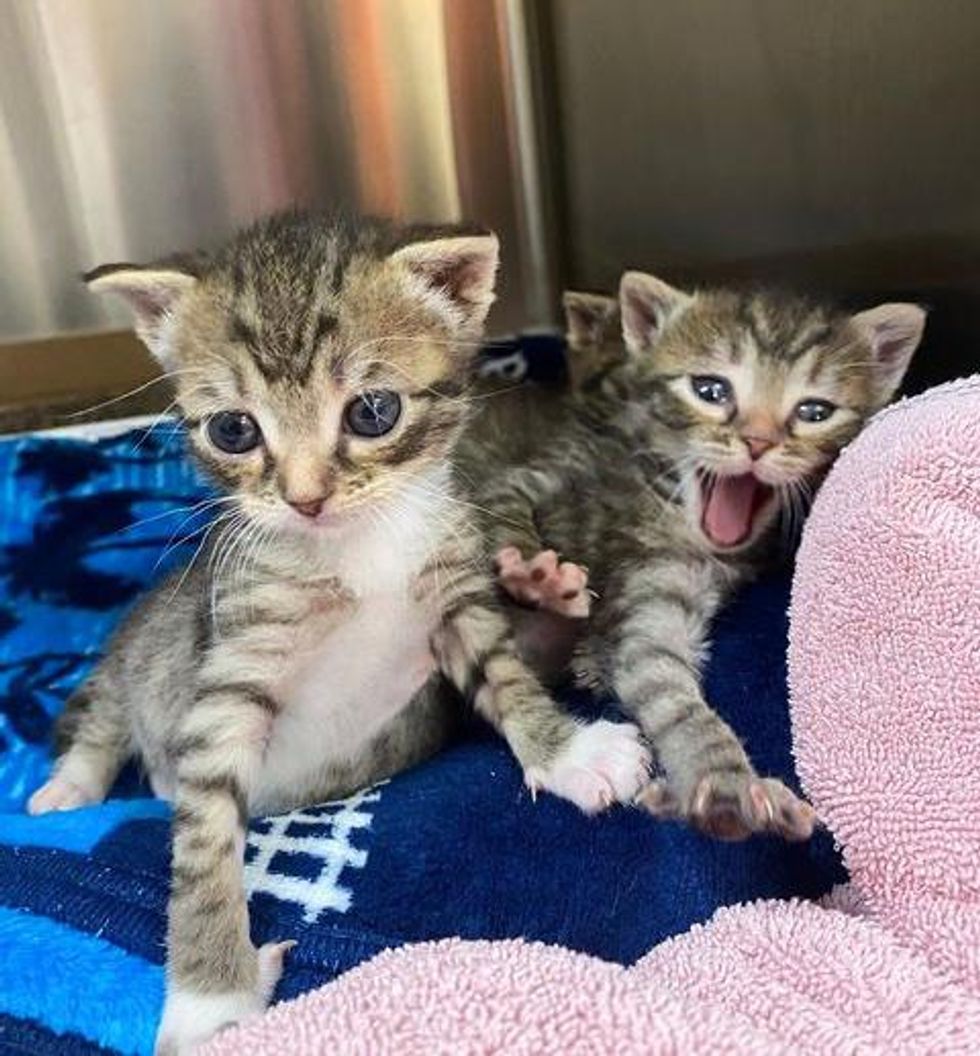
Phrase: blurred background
x=832 y=146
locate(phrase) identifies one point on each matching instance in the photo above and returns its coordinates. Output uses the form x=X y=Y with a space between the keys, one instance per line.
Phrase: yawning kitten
x=319 y=369
x=667 y=485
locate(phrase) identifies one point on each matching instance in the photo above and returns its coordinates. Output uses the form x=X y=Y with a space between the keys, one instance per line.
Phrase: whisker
x=180 y=582
x=132 y=392
x=463 y=503
x=199 y=509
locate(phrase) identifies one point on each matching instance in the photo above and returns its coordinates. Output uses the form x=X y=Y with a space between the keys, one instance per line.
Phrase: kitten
x=669 y=486
x=511 y=427
x=320 y=368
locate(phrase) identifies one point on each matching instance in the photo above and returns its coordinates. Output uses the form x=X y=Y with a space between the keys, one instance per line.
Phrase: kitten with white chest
x=307 y=650
x=668 y=484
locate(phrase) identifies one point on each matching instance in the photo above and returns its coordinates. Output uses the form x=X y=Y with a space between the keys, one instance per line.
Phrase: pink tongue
x=727 y=517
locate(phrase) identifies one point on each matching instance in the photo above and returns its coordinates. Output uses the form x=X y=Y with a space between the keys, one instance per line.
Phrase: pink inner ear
x=890 y=348
x=457 y=276
x=150 y=304
x=639 y=316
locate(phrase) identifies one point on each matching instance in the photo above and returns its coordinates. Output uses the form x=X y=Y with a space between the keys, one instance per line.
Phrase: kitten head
x=316 y=361
x=754 y=395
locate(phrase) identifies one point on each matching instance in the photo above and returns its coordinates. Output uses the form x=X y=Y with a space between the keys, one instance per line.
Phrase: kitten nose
x=758 y=445
x=308 y=507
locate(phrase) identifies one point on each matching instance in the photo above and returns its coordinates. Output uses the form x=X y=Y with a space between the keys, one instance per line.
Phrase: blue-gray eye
x=373 y=413
x=234 y=432
x=711 y=389
x=814 y=410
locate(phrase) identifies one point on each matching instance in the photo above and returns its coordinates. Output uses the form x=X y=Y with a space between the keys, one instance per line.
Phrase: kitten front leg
x=591 y=765
x=511 y=501
x=94 y=740
x=545 y=582
x=529 y=573
x=655 y=632
x=215 y=976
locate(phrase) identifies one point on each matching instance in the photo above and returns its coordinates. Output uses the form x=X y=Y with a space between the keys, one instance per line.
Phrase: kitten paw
x=735 y=805
x=58 y=793
x=190 y=1019
x=602 y=764
x=544 y=582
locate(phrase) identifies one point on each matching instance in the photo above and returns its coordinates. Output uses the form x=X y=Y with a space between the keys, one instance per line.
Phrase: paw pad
x=544 y=582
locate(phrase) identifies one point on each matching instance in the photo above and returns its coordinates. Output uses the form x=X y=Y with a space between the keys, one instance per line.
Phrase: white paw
x=58 y=793
x=603 y=763
x=190 y=1019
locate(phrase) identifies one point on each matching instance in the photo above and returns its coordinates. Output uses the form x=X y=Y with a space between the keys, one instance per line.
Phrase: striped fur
x=302 y=656
x=620 y=489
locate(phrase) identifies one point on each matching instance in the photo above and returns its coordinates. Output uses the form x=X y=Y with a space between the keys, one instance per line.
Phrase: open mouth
x=730 y=507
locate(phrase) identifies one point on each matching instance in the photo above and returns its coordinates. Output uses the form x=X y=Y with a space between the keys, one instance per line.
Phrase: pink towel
x=885 y=684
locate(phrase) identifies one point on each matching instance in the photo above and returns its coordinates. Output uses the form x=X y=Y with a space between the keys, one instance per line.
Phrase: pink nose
x=758 y=445
x=307 y=507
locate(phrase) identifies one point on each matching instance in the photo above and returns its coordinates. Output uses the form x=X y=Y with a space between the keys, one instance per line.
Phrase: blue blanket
x=453 y=847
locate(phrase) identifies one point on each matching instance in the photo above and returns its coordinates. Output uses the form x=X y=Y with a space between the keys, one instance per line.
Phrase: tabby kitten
x=319 y=367
x=669 y=485
x=512 y=425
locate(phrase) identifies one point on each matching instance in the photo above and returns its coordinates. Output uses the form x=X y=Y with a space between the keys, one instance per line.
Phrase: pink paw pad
x=544 y=582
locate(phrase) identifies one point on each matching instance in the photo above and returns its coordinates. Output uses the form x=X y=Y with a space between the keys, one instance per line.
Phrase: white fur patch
x=189 y=1019
x=58 y=793
x=340 y=692
x=603 y=763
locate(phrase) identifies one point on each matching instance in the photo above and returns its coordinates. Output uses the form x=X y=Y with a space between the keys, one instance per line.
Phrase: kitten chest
x=346 y=683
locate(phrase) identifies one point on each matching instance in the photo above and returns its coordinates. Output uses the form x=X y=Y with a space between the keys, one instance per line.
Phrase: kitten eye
x=711 y=389
x=814 y=410
x=234 y=432
x=373 y=413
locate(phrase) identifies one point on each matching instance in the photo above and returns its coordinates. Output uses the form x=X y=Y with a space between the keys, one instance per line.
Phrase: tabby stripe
x=477 y=676
x=647 y=689
x=666 y=724
x=509 y=682
x=196 y=907
x=637 y=651
x=459 y=579
x=807 y=341
x=720 y=747
x=190 y=816
x=460 y=606
x=189 y=744
x=730 y=768
x=183 y=876
x=206 y=845
x=249 y=691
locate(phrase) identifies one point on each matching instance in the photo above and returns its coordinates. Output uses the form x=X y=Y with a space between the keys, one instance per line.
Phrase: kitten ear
x=588 y=317
x=647 y=304
x=894 y=332
x=152 y=293
x=456 y=275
